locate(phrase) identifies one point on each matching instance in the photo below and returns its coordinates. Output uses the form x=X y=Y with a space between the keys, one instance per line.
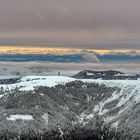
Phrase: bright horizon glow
x=62 y=51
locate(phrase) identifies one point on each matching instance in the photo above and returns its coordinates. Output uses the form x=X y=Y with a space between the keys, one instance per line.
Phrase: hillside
x=41 y=104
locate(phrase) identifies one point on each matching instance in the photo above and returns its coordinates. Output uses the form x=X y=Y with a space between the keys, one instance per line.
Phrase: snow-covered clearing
x=20 y=117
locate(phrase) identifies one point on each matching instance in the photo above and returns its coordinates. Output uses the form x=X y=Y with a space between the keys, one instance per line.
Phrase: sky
x=100 y=24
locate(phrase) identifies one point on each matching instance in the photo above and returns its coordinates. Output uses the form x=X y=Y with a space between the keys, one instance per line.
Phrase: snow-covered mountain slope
x=106 y=75
x=74 y=101
x=31 y=82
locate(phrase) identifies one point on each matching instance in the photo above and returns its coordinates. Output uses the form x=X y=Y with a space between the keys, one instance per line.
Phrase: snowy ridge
x=29 y=82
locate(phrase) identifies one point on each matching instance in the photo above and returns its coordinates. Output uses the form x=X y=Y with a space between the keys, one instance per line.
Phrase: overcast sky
x=101 y=24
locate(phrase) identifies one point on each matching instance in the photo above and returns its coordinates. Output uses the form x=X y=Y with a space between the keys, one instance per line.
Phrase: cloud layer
x=80 y=23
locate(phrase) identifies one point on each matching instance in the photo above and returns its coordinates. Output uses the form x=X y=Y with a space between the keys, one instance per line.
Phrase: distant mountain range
x=42 y=57
x=119 y=57
x=78 y=58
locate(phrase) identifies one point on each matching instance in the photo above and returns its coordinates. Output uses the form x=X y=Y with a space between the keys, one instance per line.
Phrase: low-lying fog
x=8 y=69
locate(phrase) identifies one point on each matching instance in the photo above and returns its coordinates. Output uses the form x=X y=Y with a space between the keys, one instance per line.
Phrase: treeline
x=76 y=133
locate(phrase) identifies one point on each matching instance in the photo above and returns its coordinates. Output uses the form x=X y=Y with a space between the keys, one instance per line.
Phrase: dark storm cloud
x=71 y=22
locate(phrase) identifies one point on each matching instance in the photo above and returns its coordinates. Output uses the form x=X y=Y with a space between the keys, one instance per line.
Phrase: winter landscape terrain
x=88 y=105
x=69 y=70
